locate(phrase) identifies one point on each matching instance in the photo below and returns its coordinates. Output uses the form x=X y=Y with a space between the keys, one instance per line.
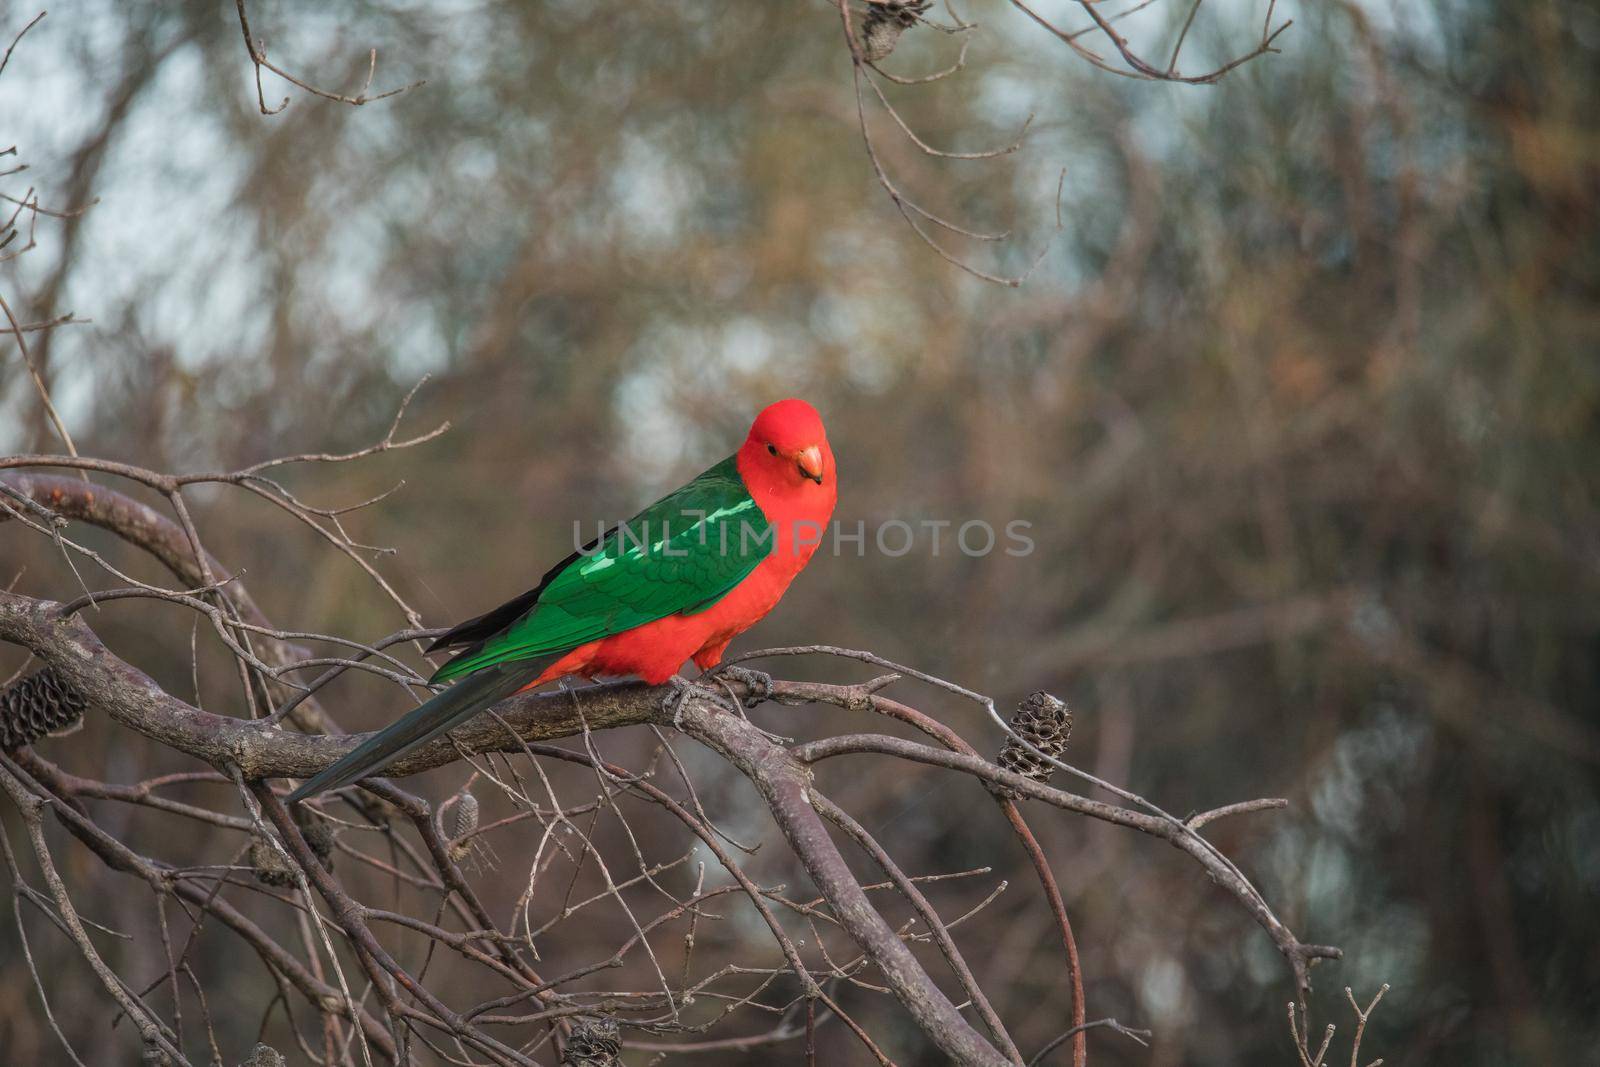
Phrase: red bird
x=677 y=581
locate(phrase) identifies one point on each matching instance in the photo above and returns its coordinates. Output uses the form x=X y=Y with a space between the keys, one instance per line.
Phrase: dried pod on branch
x=885 y=21
x=318 y=834
x=1045 y=723
x=595 y=1042
x=463 y=825
x=264 y=1056
x=272 y=868
x=37 y=705
x=466 y=814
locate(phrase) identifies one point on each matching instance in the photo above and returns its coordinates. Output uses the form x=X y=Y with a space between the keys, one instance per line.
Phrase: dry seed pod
x=264 y=1056
x=318 y=834
x=37 y=705
x=272 y=868
x=885 y=21
x=466 y=814
x=1046 y=724
x=595 y=1042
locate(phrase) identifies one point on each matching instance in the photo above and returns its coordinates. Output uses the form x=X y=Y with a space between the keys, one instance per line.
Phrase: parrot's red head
x=789 y=447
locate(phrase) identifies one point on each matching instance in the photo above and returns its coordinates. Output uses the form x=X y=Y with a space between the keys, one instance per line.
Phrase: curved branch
x=261 y=750
x=936 y=927
x=119 y=857
x=1300 y=955
x=785 y=785
x=865 y=696
x=143 y=526
x=155 y=1034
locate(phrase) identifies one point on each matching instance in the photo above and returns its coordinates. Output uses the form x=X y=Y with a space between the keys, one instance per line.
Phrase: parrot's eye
x=772 y=449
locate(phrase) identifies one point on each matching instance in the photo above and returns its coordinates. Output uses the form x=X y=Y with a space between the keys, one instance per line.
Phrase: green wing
x=678 y=556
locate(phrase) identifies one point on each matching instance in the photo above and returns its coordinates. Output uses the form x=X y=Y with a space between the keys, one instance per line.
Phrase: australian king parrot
x=676 y=582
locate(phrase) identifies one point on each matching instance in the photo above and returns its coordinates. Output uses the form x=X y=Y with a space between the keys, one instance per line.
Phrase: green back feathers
x=678 y=556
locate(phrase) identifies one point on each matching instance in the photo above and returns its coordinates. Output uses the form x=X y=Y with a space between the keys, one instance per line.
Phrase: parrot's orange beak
x=810 y=460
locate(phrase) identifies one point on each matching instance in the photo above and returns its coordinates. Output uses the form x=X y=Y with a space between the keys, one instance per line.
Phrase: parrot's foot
x=757 y=684
x=681 y=691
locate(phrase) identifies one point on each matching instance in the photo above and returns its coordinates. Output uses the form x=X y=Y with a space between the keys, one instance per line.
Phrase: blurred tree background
x=1303 y=403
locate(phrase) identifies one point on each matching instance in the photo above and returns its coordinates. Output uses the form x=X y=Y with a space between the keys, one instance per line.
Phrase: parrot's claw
x=758 y=684
x=681 y=691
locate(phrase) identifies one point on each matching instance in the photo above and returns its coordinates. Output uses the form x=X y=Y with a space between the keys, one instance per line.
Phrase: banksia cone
x=264 y=1056
x=466 y=814
x=595 y=1042
x=465 y=822
x=1046 y=724
x=885 y=21
x=37 y=705
x=318 y=834
x=271 y=866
